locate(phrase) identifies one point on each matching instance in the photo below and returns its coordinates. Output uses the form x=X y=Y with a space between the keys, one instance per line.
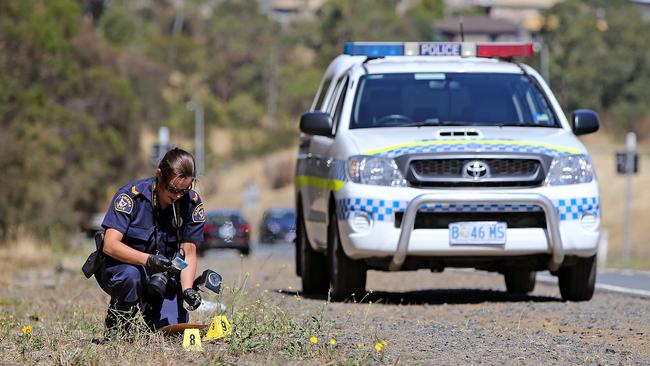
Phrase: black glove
x=158 y=263
x=192 y=298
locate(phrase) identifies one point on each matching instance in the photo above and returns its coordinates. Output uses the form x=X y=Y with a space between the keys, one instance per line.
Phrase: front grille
x=441 y=220
x=454 y=167
x=459 y=172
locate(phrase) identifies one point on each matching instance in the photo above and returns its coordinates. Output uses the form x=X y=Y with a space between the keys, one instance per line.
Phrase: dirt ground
x=423 y=318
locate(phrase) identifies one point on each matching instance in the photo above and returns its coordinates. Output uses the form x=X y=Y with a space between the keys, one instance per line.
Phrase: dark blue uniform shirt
x=132 y=214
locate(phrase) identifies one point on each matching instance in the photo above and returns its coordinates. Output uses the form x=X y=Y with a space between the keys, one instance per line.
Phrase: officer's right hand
x=158 y=263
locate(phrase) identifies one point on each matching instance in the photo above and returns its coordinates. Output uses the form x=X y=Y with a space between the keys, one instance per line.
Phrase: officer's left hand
x=192 y=298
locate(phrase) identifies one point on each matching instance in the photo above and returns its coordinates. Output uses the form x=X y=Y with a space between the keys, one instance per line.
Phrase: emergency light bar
x=463 y=49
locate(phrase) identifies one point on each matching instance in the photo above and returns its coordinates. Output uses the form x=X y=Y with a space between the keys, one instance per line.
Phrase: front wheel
x=347 y=276
x=577 y=283
x=520 y=281
x=312 y=265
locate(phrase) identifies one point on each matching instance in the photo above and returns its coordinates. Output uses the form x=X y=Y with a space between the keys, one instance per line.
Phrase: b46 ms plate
x=477 y=232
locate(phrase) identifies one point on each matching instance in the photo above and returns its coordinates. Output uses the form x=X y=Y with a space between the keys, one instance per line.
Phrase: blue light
x=372 y=49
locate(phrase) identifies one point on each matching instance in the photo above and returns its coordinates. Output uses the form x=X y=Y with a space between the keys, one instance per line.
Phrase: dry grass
x=64 y=313
x=24 y=252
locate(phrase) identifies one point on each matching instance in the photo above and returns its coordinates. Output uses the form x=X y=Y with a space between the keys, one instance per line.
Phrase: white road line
x=603 y=287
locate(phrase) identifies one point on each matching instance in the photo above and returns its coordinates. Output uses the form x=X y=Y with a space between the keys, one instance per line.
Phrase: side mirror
x=316 y=123
x=585 y=121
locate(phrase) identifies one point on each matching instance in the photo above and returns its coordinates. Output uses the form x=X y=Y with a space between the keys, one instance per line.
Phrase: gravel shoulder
x=466 y=316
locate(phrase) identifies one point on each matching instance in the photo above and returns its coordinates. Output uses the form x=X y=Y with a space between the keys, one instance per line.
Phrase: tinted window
x=462 y=99
x=321 y=95
x=339 y=104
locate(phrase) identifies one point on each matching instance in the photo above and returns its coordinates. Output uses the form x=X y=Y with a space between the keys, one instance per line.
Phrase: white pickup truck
x=434 y=155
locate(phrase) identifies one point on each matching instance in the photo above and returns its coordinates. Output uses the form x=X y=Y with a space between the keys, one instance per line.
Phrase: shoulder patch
x=198 y=215
x=134 y=191
x=123 y=203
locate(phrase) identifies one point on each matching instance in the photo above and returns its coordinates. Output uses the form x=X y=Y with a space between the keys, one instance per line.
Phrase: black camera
x=159 y=283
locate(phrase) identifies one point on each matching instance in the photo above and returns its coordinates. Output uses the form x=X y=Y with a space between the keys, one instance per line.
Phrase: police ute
x=432 y=155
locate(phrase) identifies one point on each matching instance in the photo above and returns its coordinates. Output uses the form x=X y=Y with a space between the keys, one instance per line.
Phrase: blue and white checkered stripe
x=383 y=210
x=474 y=147
x=574 y=208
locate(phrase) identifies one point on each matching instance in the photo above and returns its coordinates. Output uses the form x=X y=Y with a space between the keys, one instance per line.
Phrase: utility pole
x=630 y=153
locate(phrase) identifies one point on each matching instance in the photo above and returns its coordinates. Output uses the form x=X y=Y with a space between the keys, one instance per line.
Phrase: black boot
x=120 y=318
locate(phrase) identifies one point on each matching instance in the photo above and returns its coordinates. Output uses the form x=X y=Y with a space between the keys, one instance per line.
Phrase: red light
x=208 y=228
x=505 y=50
x=244 y=228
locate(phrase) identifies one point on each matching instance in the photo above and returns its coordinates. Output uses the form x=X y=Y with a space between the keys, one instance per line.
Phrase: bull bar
x=552 y=223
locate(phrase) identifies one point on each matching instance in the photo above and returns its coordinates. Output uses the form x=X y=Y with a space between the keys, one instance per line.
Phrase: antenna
x=462 y=33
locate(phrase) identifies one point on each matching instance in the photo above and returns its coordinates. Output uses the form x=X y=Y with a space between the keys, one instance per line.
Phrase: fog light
x=360 y=222
x=589 y=221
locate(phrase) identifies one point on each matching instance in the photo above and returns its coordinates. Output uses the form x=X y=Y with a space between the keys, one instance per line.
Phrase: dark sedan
x=278 y=224
x=226 y=229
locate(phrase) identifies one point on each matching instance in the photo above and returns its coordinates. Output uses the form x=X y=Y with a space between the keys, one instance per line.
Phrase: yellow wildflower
x=27 y=329
x=333 y=342
x=313 y=339
x=379 y=346
x=360 y=345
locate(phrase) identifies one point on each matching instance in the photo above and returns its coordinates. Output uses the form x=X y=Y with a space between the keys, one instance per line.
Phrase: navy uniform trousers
x=126 y=284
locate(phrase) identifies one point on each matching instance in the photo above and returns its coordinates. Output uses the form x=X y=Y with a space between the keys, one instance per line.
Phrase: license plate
x=477 y=232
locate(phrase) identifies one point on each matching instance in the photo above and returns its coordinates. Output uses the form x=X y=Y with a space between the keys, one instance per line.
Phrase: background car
x=226 y=229
x=278 y=224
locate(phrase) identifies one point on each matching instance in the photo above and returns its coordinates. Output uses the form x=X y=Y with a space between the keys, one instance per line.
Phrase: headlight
x=375 y=170
x=572 y=169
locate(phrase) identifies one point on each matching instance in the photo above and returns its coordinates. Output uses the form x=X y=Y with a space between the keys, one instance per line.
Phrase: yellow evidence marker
x=192 y=340
x=219 y=328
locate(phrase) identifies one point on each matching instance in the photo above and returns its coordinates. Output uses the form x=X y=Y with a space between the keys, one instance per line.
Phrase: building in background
x=501 y=21
x=286 y=11
x=644 y=7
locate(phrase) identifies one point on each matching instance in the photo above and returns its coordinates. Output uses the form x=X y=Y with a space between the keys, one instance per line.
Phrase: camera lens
x=157 y=284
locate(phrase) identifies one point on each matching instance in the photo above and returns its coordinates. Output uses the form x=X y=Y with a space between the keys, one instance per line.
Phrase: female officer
x=149 y=222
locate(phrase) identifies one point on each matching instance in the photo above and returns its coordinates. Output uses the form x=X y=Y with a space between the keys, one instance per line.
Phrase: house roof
x=476 y=25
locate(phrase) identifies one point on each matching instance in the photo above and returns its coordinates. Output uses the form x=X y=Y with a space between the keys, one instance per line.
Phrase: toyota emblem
x=476 y=169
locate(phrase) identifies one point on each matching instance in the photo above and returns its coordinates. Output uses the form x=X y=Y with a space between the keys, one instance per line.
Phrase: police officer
x=149 y=222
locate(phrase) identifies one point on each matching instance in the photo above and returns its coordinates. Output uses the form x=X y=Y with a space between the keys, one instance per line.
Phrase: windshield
x=449 y=99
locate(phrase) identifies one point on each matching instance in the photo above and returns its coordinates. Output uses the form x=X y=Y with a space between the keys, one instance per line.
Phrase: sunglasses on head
x=174 y=190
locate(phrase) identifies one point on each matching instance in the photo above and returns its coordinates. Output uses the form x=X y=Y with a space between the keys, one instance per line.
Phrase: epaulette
x=194 y=196
x=134 y=191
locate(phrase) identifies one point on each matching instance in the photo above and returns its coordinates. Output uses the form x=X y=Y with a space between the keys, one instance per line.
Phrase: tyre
x=577 y=283
x=311 y=264
x=347 y=276
x=520 y=281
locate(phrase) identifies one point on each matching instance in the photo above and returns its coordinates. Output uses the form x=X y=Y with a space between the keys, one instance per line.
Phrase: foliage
x=59 y=120
x=424 y=14
x=343 y=21
x=599 y=60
